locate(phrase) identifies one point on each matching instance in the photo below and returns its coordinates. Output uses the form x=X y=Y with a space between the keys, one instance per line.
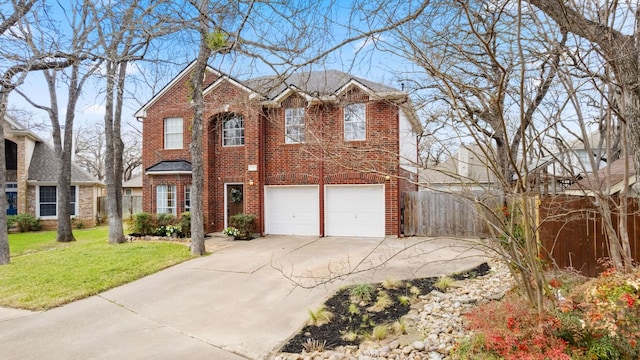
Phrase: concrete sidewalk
x=237 y=303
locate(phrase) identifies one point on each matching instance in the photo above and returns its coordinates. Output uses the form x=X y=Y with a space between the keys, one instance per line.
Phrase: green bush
x=245 y=223
x=11 y=221
x=26 y=222
x=143 y=224
x=185 y=224
x=165 y=219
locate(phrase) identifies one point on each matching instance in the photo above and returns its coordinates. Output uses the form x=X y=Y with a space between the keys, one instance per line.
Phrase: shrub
x=11 y=221
x=143 y=224
x=361 y=293
x=320 y=317
x=510 y=329
x=165 y=219
x=27 y=222
x=245 y=223
x=602 y=320
x=185 y=224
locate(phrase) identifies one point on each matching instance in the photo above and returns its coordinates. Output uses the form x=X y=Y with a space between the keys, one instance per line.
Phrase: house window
x=48 y=201
x=233 y=131
x=173 y=133
x=355 y=123
x=187 y=198
x=166 y=199
x=294 y=125
x=127 y=192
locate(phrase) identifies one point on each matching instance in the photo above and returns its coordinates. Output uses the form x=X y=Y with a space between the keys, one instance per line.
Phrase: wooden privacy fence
x=430 y=213
x=130 y=205
x=571 y=232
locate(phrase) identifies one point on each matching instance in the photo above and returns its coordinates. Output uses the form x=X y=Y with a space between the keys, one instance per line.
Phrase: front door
x=235 y=200
x=12 y=203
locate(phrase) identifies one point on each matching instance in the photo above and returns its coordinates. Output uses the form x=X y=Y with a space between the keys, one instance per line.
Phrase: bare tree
x=39 y=38
x=17 y=62
x=612 y=27
x=90 y=151
x=124 y=35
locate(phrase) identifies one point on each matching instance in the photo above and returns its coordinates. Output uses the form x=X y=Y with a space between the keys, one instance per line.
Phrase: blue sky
x=360 y=58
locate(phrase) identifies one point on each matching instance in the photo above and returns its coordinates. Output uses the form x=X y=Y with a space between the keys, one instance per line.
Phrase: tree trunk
x=197 y=171
x=4 y=237
x=65 y=231
x=113 y=174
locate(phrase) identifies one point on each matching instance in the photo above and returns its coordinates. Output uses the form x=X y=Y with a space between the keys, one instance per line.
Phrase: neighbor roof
x=45 y=167
x=134 y=182
x=611 y=176
x=170 y=166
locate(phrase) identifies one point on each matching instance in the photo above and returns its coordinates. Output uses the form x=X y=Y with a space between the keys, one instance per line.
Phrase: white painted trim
x=77 y=208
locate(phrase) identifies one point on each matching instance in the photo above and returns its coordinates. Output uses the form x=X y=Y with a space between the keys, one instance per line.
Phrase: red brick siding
x=324 y=157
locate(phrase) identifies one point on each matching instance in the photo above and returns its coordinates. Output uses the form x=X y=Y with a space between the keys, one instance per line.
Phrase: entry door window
x=235 y=200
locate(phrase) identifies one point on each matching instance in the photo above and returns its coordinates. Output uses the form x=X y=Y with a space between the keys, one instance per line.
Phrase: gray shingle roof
x=45 y=167
x=313 y=83
x=170 y=166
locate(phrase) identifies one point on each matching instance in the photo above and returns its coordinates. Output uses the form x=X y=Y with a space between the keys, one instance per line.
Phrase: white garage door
x=354 y=210
x=291 y=210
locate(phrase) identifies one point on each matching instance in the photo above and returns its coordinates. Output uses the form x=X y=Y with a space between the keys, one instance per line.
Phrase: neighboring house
x=609 y=180
x=317 y=154
x=32 y=175
x=133 y=186
x=466 y=170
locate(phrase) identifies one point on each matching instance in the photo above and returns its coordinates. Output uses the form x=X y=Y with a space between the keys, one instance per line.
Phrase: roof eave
x=180 y=172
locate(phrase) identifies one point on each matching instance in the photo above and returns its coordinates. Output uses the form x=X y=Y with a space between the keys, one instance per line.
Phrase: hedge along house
x=320 y=153
x=32 y=175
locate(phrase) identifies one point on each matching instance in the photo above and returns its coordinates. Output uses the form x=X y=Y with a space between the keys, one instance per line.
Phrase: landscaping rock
x=435 y=320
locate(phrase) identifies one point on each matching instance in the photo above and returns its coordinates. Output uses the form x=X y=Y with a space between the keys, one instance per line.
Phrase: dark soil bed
x=363 y=320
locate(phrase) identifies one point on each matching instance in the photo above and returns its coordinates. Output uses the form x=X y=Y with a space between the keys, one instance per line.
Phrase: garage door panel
x=292 y=210
x=355 y=210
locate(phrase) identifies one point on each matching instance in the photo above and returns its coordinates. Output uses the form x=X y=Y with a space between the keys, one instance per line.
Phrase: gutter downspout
x=321 y=174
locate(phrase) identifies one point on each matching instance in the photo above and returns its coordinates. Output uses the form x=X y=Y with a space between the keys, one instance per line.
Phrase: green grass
x=44 y=274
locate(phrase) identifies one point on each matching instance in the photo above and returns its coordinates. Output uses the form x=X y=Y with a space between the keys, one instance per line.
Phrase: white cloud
x=364 y=43
x=93 y=109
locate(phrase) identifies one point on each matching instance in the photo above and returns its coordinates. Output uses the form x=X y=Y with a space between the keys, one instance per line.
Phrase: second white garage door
x=354 y=210
x=291 y=210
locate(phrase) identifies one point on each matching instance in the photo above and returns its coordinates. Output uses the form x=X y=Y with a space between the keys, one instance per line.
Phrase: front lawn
x=44 y=274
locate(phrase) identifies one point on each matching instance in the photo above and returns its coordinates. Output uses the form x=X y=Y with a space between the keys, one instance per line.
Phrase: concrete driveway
x=238 y=303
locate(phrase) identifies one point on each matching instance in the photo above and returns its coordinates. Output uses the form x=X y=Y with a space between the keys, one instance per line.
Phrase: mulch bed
x=344 y=321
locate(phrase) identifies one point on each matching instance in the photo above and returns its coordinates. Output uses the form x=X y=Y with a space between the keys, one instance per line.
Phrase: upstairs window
x=294 y=125
x=355 y=122
x=173 y=133
x=233 y=131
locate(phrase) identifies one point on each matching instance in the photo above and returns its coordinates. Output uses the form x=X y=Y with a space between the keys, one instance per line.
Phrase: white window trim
x=167 y=133
x=76 y=207
x=224 y=131
x=289 y=115
x=187 y=189
x=364 y=120
x=173 y=209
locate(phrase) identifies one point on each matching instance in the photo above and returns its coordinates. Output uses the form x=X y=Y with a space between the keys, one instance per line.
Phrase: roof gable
x=45 y=167
x=142 y=112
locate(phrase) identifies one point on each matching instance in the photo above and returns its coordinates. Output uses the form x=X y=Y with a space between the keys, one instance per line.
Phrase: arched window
x=233 y=131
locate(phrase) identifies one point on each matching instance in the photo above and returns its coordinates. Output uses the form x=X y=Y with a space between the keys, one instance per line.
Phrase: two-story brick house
x=319 y=153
